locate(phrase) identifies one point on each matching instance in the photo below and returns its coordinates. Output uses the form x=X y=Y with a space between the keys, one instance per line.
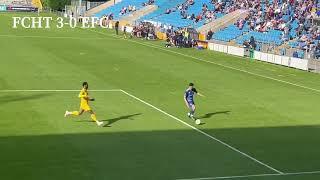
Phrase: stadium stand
x=164 y=5
x=185 y=13
x=20 y=3
x=123 y=8
x=229 y=33
x=101 y=7
x=280 y=23
x=275 y=22
x=223 y=22
x=176 y=13
x=182 y=13
x=130 y=19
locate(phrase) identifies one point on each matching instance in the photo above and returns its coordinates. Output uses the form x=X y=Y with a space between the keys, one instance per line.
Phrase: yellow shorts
x=85 y=107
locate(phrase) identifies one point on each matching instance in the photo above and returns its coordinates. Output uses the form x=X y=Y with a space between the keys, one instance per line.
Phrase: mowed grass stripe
x=211 y=62
x=191 y=140
x=161 y=82
x=253 y=175
x=173 y=117
x=205 y=134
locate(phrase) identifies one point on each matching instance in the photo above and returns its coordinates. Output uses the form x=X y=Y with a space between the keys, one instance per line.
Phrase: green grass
x=274 y=122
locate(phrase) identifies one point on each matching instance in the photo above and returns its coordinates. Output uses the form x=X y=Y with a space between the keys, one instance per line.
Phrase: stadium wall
x=302 y=64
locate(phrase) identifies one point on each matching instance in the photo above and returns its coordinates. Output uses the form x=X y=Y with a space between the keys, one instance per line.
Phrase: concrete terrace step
x=101 y=7
x=223 y=22
x=131 y=18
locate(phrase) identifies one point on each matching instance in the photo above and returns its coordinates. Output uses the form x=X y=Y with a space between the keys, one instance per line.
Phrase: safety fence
x=265 y=57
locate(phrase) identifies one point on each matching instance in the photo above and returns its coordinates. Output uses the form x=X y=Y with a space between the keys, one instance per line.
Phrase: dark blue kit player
x=189 y=100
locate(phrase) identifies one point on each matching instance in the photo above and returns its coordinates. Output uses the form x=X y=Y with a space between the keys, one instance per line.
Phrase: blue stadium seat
x=174 y=18
x=115 y=9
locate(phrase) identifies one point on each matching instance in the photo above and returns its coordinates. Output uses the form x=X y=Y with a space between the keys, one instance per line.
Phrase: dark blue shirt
x=189 y=94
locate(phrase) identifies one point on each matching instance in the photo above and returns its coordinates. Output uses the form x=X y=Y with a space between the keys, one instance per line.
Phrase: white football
x=198 y=121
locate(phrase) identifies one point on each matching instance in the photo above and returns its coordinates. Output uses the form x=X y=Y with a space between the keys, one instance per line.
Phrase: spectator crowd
x=144 y=30
x=294 y=18
x=180 y=38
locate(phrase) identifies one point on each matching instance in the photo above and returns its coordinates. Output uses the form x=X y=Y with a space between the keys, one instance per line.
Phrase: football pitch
x=259 y=121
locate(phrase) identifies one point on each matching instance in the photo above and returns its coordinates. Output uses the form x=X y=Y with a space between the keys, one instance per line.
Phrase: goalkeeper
x=84 y=105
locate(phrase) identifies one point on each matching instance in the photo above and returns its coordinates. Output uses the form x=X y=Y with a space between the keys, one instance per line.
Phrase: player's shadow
x=17 y=98
x=114 y=120
x=209 y=115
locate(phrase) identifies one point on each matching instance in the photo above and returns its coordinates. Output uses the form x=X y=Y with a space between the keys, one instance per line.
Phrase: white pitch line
x=58 y=90
x=211 y=62
x=204 y=133
x=254 y=175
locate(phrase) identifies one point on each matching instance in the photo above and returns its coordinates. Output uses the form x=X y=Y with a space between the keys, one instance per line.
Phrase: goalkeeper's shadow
x=114 y=120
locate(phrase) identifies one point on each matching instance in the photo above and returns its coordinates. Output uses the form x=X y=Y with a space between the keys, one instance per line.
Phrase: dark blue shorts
x=190 y=103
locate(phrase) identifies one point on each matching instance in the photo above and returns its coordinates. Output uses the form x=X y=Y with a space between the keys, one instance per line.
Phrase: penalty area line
x=253 y=175
x=204 y=133
x=58 y=90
